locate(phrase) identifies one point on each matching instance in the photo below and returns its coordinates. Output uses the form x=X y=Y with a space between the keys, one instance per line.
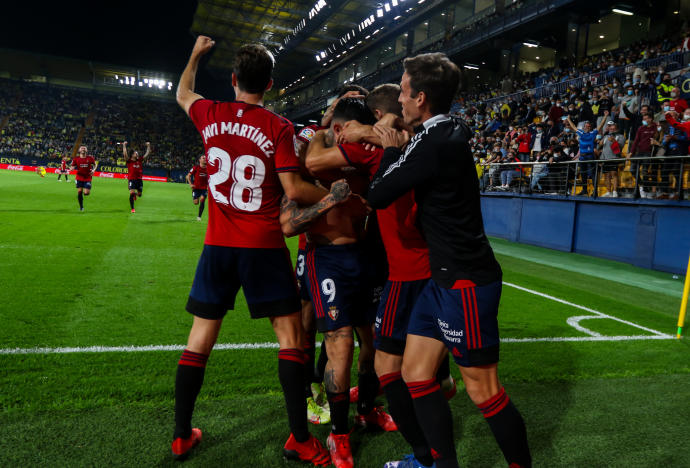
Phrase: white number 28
x=248 y=173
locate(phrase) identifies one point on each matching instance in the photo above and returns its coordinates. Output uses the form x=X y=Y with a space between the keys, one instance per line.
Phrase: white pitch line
x=657 y=335
x=596 y=312
x=267 y=345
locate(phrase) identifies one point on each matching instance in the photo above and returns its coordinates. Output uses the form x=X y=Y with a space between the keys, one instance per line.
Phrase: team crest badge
x=333 y=312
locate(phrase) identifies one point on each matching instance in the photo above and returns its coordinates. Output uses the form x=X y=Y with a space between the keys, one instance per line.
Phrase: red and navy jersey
x=63 y=164
x=358 y=156
x=307 y=133
x=406 y=250
x=200 y=177
x=84 y=166
x=246 y=147
x=135 y=169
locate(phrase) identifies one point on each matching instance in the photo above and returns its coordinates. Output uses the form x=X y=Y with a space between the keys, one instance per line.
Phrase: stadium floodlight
x=420 y=2
x=397 y=17
x=387 y=7
x=379 y=13
x=471 y=66
x=622 y=12
x=530 y=44
x=323 y=54
x=395 y=2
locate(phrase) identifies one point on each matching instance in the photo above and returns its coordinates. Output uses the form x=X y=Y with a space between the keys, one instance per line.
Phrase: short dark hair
x=385 y=98
x=436 y=76
x=353 y=87
x=253 y=67
x=353 y=109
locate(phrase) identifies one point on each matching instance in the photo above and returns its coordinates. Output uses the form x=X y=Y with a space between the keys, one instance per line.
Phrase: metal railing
x=659 y=177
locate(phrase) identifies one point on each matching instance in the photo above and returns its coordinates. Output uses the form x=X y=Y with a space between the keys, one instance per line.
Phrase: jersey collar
x=434 y=120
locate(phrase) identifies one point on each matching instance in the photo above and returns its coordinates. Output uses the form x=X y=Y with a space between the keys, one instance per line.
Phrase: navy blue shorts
x=337 y=280
x=464 y=318
x=397 y=301
x=196 y=193
x=83 y=185
x=301 y=274
x=136 y=184
x=265 y=276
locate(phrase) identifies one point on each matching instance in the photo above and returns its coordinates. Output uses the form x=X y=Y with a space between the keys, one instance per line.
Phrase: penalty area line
x=267 y=345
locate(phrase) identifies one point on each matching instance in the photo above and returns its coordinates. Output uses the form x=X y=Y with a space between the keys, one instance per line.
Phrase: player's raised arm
x=148 y=150
x=124 y=151
x=185 y=89
x=295 y=220
x=323 y=154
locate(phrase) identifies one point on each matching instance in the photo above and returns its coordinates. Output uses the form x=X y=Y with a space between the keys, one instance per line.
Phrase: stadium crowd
x=612 y=91
x=44 y=122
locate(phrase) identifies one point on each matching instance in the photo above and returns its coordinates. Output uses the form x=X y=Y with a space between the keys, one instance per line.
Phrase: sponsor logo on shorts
x=333 y=312
x=450 y=335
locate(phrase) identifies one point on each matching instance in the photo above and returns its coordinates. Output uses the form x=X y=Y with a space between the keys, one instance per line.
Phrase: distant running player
x=135 y=172
x=199 y=185
x=62 y=170
x=251 y=164
x=86 y=166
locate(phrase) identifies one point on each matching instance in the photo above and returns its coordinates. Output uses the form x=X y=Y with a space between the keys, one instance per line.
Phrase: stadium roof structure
x=294 y=30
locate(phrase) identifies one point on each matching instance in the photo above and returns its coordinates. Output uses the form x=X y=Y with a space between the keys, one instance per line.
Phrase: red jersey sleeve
x=199 y=112
x=286 y=151
x=357 y=155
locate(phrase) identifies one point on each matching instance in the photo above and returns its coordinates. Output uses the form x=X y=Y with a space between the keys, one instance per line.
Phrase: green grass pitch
x=109 y=278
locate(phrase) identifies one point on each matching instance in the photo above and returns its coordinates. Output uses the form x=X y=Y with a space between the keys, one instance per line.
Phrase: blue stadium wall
x=650 y=234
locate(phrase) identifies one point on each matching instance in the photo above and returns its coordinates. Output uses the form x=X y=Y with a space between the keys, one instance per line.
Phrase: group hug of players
x=387 y=194
x=86 y=165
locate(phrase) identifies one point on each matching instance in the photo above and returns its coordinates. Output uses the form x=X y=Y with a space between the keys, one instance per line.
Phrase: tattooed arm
x=295 y=220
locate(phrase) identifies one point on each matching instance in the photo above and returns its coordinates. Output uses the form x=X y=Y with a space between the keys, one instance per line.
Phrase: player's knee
x=386 y=363
x=195 y=201
x=415 y=371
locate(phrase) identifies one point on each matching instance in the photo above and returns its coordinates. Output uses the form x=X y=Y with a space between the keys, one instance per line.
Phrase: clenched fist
x=203 y=45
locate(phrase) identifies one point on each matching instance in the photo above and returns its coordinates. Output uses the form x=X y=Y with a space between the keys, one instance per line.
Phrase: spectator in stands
x=556 y=111
x=626 y=109
x=586 y=138
x=524 y=139
x=541 y=169
x=677 y=103
x=510 y=171
x=663 y=86
x=539 y=141
x=642 y=148
x=611 y=147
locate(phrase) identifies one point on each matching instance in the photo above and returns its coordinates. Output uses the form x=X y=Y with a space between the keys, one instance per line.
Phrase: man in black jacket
x=458 y=308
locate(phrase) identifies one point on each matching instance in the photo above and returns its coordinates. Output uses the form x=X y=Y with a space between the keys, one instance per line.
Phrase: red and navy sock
x=201 y=208
x=131 y=200
x=340 y=409
x=401 y=408
x=80 y=197
x=309 y=351
x=368 y=389
x=508 y=428
x=291 y=375
x=435 y=419
x=190 y=377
